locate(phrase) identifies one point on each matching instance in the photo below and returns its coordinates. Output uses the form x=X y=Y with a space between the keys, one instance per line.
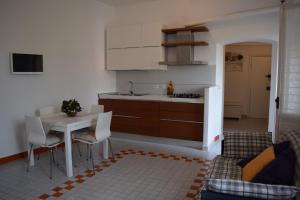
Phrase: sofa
x=224 y=179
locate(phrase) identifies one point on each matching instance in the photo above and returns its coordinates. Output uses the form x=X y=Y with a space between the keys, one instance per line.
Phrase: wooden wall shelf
x=184 y=43
x=192 y=29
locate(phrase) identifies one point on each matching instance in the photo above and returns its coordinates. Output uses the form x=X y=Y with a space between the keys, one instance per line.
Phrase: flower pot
x=72 y=114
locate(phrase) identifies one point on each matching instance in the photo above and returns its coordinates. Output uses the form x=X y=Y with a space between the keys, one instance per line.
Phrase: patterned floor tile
x=142 y=171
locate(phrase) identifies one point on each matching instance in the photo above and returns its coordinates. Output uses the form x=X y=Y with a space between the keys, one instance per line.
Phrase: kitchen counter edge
x=162 y=98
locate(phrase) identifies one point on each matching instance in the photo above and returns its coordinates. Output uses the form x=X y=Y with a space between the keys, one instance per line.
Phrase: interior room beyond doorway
x=247 y=86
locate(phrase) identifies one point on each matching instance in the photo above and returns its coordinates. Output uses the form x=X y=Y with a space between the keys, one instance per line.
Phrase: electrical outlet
x=216 y=138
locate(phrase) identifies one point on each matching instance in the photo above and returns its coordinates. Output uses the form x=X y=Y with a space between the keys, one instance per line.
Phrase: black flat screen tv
x=26 y=63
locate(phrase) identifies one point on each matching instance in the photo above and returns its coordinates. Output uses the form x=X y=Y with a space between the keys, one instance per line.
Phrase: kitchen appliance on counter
x=186 y=95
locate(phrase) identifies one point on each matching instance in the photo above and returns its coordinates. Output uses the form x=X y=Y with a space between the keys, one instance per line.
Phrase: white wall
x=289 y=112
x=70 y=35
x=237 y=83
x=181 y=12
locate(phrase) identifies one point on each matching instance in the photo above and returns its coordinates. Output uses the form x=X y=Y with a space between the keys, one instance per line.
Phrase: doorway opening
x=248 y=68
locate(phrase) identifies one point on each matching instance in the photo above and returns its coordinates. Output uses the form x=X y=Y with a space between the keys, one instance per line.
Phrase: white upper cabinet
x=134 y=47
x=150 y=56
x=131 y=36
x=114 y=38
x=151 y=35
x=124 y=37
x=115 y=58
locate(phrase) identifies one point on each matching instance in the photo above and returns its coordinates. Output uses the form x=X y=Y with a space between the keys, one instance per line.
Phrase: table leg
x=68 y=153
x=105 y=149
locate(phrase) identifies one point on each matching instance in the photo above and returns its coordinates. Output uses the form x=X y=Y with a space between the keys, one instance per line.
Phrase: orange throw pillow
x=258 y=163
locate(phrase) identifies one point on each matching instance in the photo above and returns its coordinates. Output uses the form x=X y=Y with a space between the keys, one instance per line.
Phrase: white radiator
x=232 y=110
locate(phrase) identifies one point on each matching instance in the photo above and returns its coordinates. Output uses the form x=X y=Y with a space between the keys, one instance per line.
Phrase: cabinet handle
x=126 y=116
x=174 y=120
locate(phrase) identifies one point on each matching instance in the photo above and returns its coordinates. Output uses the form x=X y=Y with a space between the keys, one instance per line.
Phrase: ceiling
x=123 y=2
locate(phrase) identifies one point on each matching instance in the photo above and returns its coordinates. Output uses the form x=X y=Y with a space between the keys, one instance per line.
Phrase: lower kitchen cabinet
x=153 y=118
x=181 y=130
x=181 y=120
x=126 y=124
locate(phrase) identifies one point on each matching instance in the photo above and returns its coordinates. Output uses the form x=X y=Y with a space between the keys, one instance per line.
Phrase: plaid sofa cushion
x=245 y=144
x=225 y=168
x=294 y=139
x=252 y=190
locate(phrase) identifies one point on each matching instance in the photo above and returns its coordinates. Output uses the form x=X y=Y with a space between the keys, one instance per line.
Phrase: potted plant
x=71 y=107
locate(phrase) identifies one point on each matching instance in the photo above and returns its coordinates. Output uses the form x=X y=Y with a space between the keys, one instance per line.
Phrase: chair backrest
x=103 y=126
x=97 y=109
x=35 y=130
x=49 y=110
x=294 y=138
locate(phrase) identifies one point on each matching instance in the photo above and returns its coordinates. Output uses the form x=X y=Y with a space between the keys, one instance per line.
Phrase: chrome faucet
x=131 y=87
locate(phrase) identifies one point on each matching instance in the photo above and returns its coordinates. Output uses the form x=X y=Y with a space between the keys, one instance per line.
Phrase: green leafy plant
x=71 y=107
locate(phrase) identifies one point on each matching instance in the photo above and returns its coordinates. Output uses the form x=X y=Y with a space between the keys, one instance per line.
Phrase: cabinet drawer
x=124 y=124
x=181 y=130
x=148 y=126
x=192 y=117
x=120 y=107
x=182 y=107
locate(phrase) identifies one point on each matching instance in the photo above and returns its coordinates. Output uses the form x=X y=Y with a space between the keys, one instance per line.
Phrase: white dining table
x=64 y=124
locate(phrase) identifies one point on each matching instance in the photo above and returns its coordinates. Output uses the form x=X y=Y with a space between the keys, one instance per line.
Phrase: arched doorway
x=247 y=86
x=220 y=76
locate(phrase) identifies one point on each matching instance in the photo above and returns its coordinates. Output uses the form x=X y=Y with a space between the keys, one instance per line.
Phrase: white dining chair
x=101 y=133
x=48 y=111
x=37 y=137
x=94 y=109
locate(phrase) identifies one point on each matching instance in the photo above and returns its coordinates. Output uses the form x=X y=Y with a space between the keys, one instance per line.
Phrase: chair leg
x=92 y=157
x=29 y=156
x=51 y=160
x=38 y=155
x=87 y=152
x=78 y=148
x=111 y=149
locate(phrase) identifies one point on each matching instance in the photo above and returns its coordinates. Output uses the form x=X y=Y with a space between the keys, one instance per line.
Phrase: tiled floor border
x=72 y=183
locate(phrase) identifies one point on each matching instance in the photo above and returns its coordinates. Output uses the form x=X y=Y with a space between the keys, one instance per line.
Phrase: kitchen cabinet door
x=133 y=59
x=115 y=59
x=114 y=38
x=146 y=58
x=124 y=36
x=132 y=36
x=181 y=130
x=151 y=57
x=152 y=35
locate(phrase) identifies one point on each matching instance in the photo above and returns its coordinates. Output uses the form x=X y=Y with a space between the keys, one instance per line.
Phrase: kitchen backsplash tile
x=189 y=79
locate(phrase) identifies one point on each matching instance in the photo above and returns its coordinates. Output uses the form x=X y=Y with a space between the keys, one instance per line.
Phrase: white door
x=260 y=69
